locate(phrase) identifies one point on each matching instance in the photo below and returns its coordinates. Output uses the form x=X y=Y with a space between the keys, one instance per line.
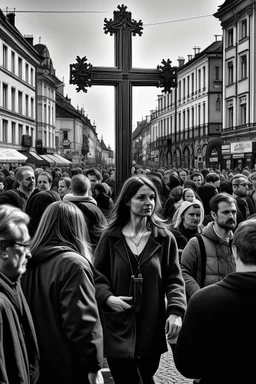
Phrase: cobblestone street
x=166 y=374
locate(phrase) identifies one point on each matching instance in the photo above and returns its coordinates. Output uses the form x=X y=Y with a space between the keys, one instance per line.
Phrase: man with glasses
x=240 y=193
x=19 y=354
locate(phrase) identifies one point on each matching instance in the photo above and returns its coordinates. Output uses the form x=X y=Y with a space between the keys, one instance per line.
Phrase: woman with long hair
x=142 y=298
x=59 y=287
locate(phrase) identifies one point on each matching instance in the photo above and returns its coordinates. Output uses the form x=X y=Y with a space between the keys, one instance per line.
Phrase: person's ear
x=3 y=246
x=234 y=251
x=213 y=215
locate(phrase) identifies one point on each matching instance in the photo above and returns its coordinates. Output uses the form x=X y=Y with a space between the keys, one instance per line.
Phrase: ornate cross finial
x=168 y=76
x=123 y=20
x=81 y=74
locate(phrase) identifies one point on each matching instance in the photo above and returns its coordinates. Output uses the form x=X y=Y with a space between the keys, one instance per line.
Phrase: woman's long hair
x=120 y=212
x=63 y=224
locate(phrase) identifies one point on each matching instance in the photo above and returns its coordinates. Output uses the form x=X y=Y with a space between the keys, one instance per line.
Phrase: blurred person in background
x=44 y=181
x=64 y=186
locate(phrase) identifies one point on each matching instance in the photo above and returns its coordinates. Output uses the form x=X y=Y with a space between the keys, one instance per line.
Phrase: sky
x=170 y=30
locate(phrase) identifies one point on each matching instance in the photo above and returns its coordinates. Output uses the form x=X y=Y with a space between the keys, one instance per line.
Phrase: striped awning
x=10 y=155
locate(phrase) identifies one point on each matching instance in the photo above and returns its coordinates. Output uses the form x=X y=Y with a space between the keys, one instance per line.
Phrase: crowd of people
x=88 y=272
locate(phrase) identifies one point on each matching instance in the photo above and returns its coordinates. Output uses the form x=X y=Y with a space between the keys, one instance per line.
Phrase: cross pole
x=123 y=77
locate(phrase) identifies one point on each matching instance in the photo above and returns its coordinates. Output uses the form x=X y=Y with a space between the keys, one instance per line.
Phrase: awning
x=58 y=160
x=65 y=161
x=34 y=158
x=10 y=155
x=47 y=158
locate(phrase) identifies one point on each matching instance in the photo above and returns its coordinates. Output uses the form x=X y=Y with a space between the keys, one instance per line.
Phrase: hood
x=241 y=282
x=177 y=219
x=45 y=253
x=79 y=199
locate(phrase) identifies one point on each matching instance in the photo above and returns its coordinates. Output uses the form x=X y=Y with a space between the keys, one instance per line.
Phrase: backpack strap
x=203 y=259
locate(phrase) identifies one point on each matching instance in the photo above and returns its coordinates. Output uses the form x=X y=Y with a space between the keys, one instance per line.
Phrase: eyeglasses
x=25 y=246
x=243 y=184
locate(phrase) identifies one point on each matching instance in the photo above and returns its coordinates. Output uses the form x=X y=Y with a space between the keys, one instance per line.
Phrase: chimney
x=195 y=49
x=198 y=49
x=11 y=18
x=29 y=39
x=181 y=61
x=189 y=57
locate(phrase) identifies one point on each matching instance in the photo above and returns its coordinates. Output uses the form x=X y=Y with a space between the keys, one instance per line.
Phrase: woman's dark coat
x=124 y=334
x=59 y=288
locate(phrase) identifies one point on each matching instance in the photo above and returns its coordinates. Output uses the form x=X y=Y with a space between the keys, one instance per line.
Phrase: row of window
x=17 y=102
x=192 y=83
x=242 y=115
x=15 y=64
x=186 y=88
x=242 y=70
x=242 y=33
x=187 y=119
x=12 y=132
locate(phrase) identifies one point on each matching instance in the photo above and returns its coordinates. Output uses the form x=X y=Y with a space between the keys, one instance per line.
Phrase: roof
x=66 y=110
x=42 y=50
x=140 y=127
x=4 y=20
x=215 y=47
x=103 y=146
x=227 y=4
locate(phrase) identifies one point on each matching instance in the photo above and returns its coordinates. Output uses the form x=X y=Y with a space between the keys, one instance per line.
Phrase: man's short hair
x=196 y=174
x=245 y=241
x=21 y=170
x=235 y=179
x=211 y=177
x=80 y=185
x=219 y=198
x=94 y=172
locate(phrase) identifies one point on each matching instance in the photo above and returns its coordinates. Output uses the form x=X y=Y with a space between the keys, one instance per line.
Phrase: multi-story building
x=18 y=66
x=239 y=92
x=47 y=85
x=141 y=143
x=186 y=126
x=76 y=137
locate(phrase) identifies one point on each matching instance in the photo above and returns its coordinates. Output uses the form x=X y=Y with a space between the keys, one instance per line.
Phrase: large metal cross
x=123 y=77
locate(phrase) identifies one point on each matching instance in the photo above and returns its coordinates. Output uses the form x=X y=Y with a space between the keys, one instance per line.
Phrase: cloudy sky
x=171 y=30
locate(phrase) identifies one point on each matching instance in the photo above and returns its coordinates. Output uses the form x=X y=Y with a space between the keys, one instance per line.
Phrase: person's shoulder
x=75 y=261
x=5 y=304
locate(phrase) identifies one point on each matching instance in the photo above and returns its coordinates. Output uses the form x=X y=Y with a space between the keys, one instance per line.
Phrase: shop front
x=238 y=155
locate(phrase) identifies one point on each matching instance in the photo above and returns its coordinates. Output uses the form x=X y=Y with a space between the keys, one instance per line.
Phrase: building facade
x=18 y=67
x=76 y=137
x=186 y=126
x=238 y=20
x=47 y=85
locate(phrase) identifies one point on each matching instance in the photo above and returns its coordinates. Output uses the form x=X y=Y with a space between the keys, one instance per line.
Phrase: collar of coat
x=151 y=247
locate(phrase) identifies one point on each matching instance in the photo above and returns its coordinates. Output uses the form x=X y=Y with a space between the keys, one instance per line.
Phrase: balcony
x=244 y=129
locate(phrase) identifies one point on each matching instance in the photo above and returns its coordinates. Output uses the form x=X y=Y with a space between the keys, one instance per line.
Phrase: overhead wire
x=144 y=24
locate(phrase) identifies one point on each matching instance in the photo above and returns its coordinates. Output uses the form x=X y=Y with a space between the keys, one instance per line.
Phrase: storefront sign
x=214 y=159
x=26 y=141
x=241 y=147
x=238 y=156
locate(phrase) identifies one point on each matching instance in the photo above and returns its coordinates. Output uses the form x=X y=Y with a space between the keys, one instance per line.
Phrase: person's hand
x=172 y=328
x=95 y=378
x=118 y=303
